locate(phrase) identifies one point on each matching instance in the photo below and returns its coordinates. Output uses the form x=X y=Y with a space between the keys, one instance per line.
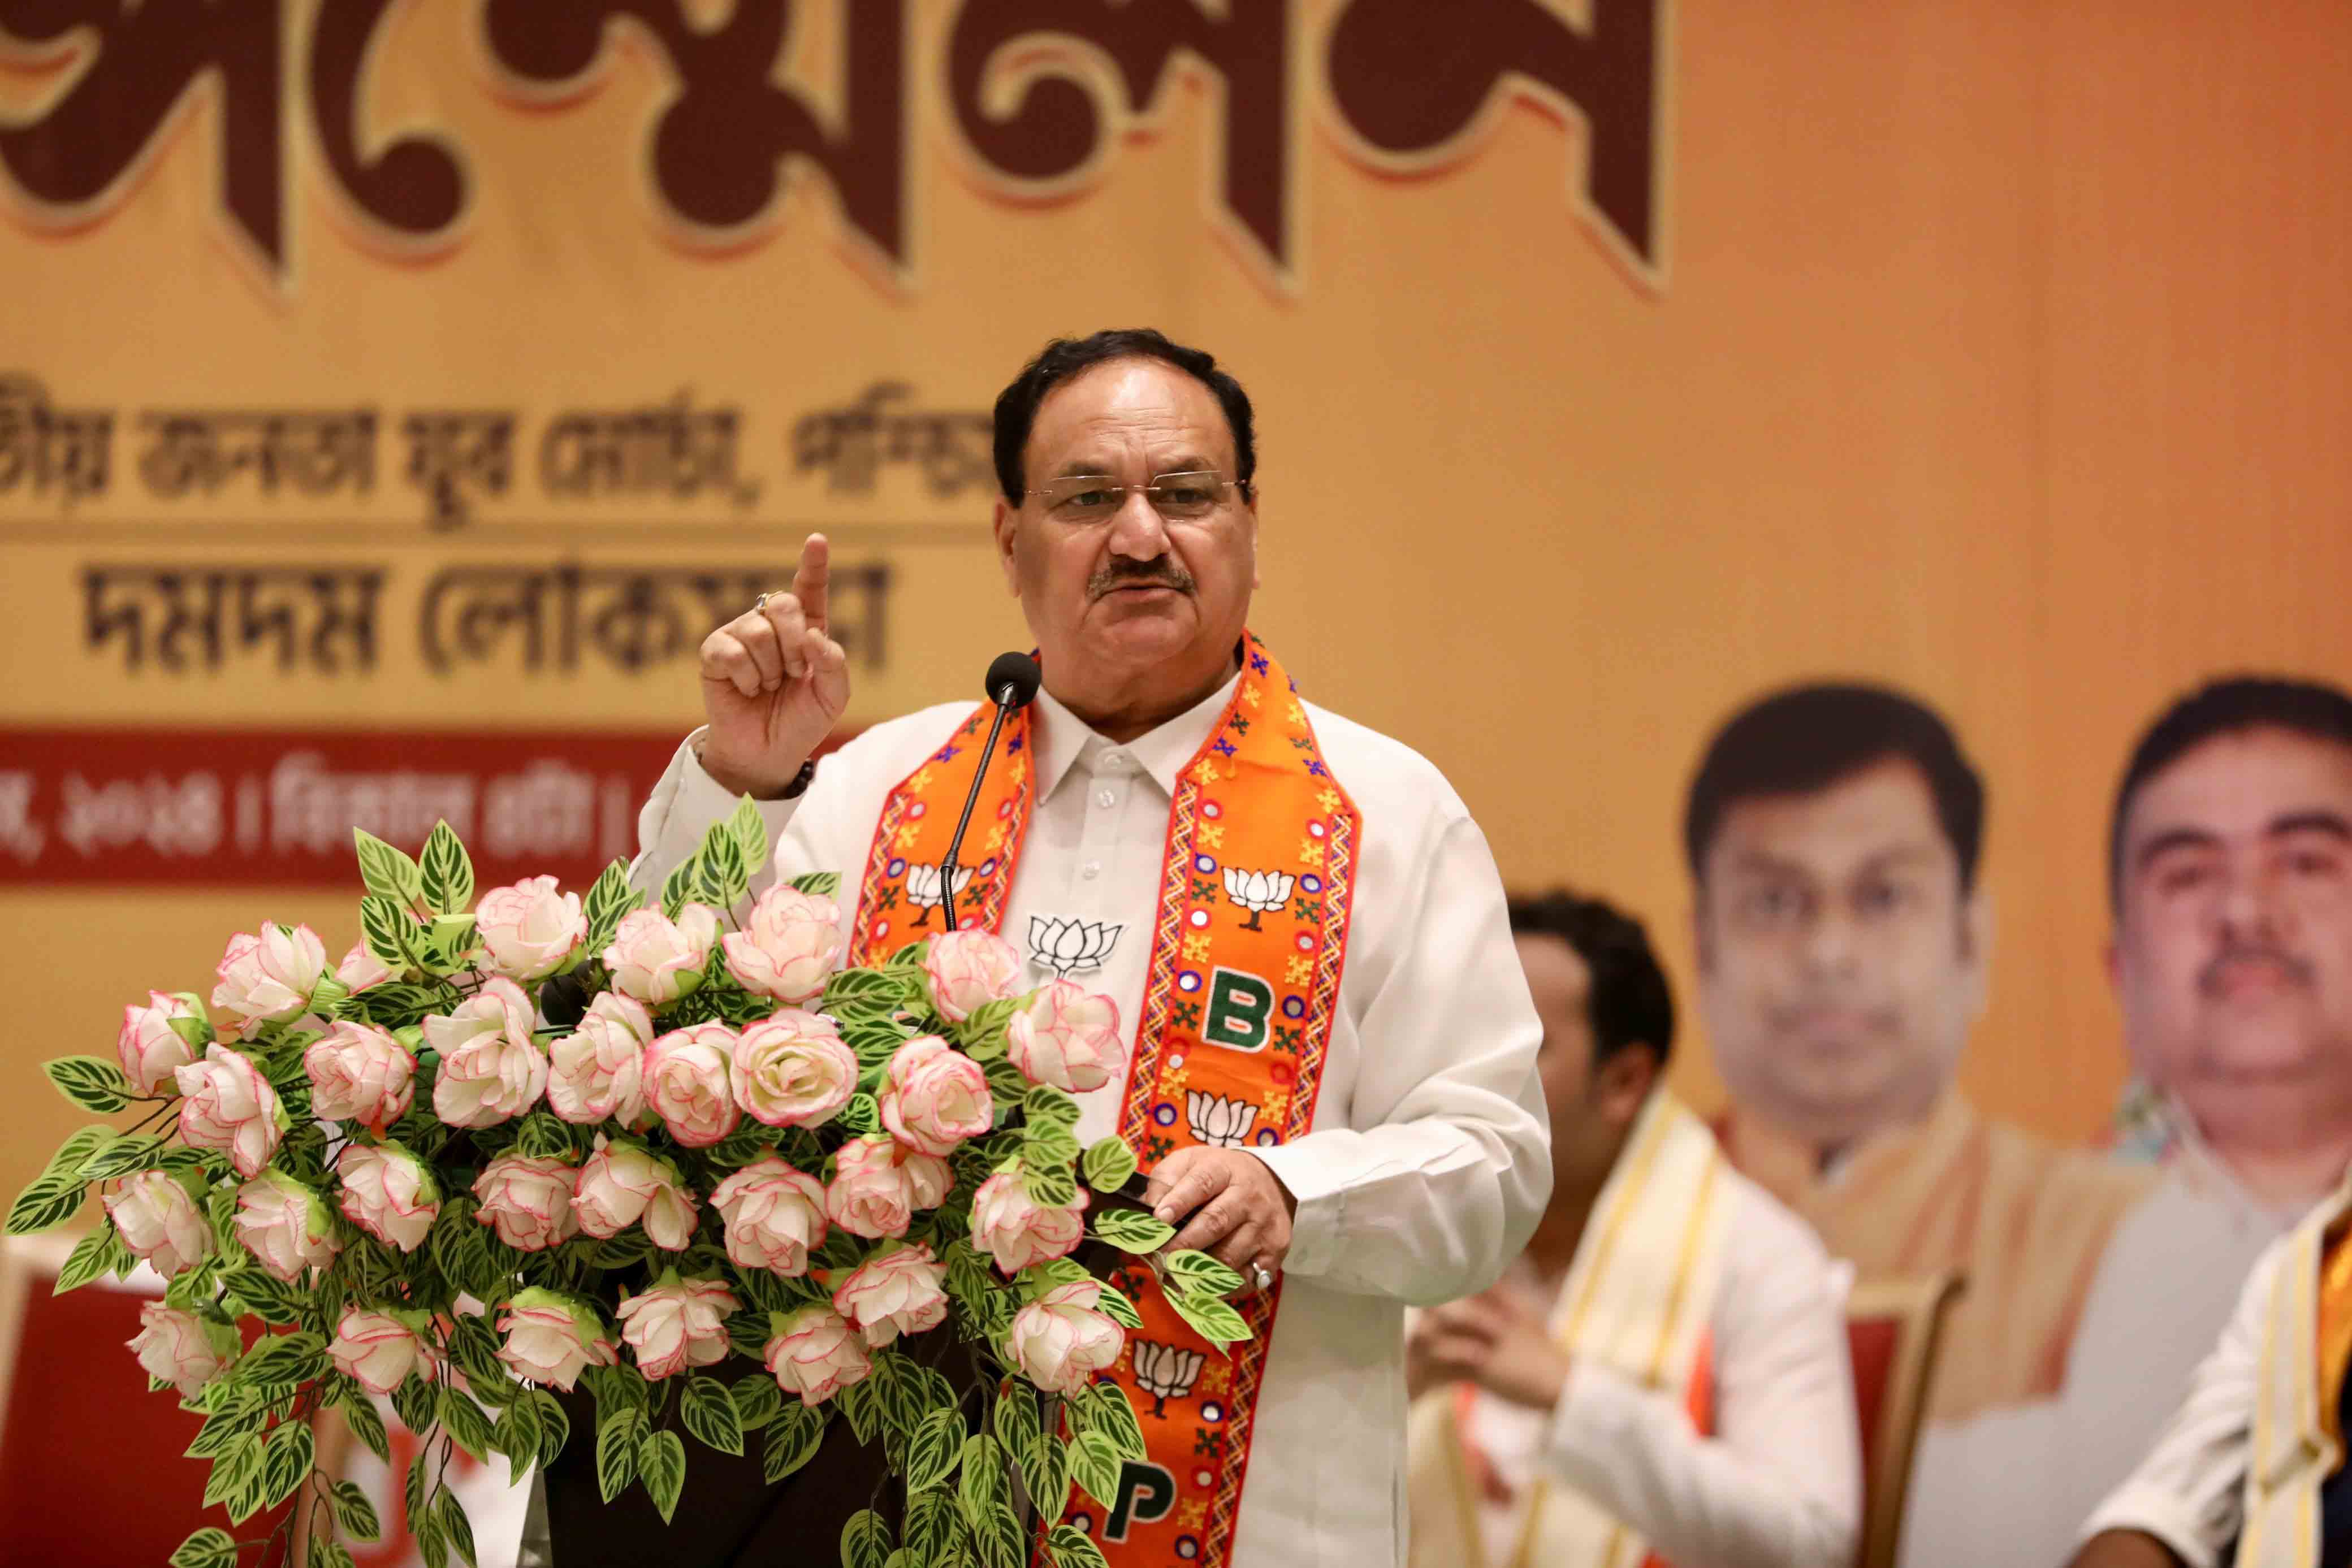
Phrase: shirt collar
x=1063 y=739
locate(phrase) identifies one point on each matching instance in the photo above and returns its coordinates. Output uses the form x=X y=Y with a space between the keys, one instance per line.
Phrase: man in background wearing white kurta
x=1426 y=1164
x=1516 y=1424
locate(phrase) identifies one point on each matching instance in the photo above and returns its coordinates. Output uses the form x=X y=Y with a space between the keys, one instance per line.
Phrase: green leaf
x=516 y=1434
x=328 y=1553
x=722 y=878
x=286 y=1463
x=1094 y=1465
x=447 y=945
x=390 y=933
x=616 y=1450
x=1107 y=1164
x=862 y=1114
x=1051 y=1187
x=678 y=886
x=464 y=1421
x=387 y=872
x=1049 y=1143
x=1017 y=1421
x=1073 y=1548
x=1005 y=1081
x=611 y=898
x=354 y=1514
x=92 y=1083
x=1212 y=1318
x=92 y=1256
x=823 y=883
x=432 y=1541
x=865 y=1541
x=457 y=1527
x=207 y=1548
x=937 y=1445
x=1113 y=1304
x=235 y=1469
x=981 y=1485
x=283 y=1361
x=1133 y=1230
x=792 y=1441
x=661 y=1459
x=121 y=1157
x=1045 y=1472
x=79 y=1147
x=930 y=1526
x=224 y=1431
x=554 y=1426
x=269 y=1298
x=1106 y=1410
x=708 y=1411
x=366 y=1423
x=999 y=1537
x=1044 y=1102
x=413 y=1402
x=417 y=1487
x=751 y=831
x=446 y=872
x=1203 y=1275
x=757 y=1402
x=862 y=1403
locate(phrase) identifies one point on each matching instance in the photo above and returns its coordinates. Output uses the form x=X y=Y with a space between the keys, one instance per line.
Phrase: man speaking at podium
x=1330 y=1070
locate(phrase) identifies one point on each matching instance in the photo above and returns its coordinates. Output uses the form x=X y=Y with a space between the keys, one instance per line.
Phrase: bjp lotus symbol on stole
x=1259 y=892
x=923 y=889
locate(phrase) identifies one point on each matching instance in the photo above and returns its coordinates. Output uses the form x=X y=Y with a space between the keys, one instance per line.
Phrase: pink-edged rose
x=597 y=1073
x=929 y=1178
x=380 y=1349
x=657 y=960
x=815 y=1353
x=687 y=1083
x=871 y=1195
x=389 y=1193
x=160 y=1221
x=970 y=970
x=774 y=1216
x=360 y=969
x=527 y=1200
x=359 y=1073
x=230 y=1106
x=1059 y=1341
x=552 y=1338
x=1016 y=1230
x=898 y=1292
x=148 y=1047
x=528 y=929
x=624 y=1183
x=676 y=1324
x=1066 y=1036
x=935 y=1097
x=285 y=1225
x=491 y=1070
x=787 y=948
x=269 y=978
x=182 y=1349
x=792 y=1070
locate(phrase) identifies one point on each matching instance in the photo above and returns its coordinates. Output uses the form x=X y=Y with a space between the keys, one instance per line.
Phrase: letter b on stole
x=1240 y=1004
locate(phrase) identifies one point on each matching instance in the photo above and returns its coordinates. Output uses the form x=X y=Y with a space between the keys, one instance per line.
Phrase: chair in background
x=1893 y=1329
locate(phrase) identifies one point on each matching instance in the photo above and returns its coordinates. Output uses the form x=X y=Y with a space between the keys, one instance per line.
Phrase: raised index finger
x=808 y=582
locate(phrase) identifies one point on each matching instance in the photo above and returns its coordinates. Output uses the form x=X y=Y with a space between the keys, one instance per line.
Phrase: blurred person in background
x=1833 y=832
x=2230 y=876
x=1548 y=1428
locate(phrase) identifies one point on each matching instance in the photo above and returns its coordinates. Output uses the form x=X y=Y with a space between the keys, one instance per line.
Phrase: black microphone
x=1011 y=681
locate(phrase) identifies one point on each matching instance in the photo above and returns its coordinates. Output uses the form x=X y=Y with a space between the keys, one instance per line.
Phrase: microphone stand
x=970 y=799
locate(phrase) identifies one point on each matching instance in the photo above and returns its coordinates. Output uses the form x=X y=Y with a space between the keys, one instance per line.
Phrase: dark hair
x=1057 y=361
x=1802 y=740
x=1631 y=1003
x=2229 y=705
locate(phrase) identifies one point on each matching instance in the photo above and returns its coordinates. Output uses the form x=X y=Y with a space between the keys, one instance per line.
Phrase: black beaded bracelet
x=801 y=781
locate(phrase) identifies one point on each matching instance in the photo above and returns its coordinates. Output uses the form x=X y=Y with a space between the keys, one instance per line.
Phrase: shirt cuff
x=1314 y=1225
x=2152 y=1511
x=1593 y=1423
x=700 y=803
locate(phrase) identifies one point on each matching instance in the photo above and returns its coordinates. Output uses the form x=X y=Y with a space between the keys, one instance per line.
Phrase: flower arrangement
x=536 y=1141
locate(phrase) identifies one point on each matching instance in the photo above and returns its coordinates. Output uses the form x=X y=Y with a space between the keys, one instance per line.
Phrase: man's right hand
x=2125 y=1549
x=774 y=685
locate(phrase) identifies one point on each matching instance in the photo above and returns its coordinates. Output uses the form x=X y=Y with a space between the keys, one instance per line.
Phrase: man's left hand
x=1494 y=1341
x=1240 y=1211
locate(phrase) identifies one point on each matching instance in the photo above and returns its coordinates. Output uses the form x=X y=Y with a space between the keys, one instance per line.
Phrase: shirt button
x=1114 y=760
x=1106 y=798
x=1093 y=869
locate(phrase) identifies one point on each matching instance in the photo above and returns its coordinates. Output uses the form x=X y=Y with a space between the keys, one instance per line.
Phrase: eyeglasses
x=1096 y=497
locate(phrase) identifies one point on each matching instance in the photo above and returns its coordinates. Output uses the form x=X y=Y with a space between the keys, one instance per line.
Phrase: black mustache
x=2209 y=978
x=1162 y=573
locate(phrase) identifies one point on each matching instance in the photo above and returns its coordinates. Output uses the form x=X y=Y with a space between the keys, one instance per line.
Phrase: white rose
x=529 y=929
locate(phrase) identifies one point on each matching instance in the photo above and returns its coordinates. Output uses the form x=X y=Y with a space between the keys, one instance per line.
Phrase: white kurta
x=1778 y=1483
x=1428 y=1162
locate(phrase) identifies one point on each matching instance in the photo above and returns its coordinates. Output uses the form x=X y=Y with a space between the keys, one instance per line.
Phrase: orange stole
x=1248 y=946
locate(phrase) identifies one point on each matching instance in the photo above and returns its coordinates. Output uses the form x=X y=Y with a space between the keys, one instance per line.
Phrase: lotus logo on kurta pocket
x=1068 y=945
x=1259 y=892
